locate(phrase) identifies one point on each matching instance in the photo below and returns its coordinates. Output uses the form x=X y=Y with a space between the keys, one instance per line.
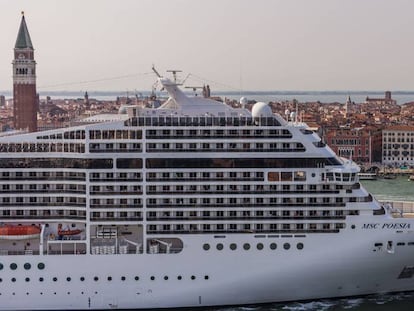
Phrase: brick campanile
x=25 y=103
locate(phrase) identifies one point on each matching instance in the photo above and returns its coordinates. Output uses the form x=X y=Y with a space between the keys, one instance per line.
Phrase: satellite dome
x=243 y=101
x=123 y=110
x=261 y=109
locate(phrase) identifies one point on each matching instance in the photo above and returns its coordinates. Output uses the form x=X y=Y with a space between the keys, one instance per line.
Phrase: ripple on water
x=380 y=302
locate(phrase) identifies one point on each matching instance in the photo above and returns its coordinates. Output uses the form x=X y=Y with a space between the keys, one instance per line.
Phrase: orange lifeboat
x=62 y=232
x=21 y=232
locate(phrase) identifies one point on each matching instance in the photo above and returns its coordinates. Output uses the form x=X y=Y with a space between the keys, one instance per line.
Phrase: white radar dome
x=243 y=101
x=261 y=109
x=123 y=110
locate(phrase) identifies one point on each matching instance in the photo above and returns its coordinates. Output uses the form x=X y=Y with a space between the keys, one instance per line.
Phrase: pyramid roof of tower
x=23 y=37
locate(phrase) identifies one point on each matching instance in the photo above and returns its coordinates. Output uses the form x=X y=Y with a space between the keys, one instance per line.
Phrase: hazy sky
x=235 y=44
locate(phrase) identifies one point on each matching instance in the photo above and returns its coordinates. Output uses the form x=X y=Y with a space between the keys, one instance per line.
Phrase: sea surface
x=401 y=97
x=399 y=189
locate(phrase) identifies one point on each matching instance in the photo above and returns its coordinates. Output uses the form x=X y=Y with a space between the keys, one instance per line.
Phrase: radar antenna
x=174 y=72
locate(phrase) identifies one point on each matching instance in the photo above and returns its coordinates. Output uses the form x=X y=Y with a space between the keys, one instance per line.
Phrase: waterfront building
x=25 y=99
x=387 y=100
x=398 y=145
x=362 y=145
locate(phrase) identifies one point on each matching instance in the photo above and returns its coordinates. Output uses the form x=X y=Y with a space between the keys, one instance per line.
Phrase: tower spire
x=23 y=38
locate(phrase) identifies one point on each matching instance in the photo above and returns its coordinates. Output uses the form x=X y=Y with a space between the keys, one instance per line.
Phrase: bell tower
x=25 y=103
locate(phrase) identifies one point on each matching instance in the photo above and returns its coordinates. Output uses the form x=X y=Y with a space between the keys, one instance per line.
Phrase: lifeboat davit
x=22 y=232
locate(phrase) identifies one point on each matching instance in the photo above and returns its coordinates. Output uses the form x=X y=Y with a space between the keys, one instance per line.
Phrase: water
x=399 y=189
x=385 y=302
x=275 y=96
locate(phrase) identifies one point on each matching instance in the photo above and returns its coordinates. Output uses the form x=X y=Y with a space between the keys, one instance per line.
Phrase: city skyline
x=233 y=45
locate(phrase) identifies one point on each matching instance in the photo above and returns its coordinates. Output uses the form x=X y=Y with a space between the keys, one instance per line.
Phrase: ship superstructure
x=194 y=203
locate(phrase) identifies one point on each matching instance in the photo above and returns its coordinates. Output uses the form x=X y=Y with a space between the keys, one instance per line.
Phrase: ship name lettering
x=396 y=226
x=370 y=226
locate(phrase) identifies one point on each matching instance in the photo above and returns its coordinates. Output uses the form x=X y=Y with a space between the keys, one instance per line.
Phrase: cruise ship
x=191 y=204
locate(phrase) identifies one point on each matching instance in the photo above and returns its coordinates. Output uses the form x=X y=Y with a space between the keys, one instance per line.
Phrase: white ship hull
x=328 y=266
x=184 y=206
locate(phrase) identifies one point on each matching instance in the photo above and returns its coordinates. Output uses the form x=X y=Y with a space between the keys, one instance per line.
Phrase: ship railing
x=4 y=252
x=227 y=150
x=55 y=252
x=248 y=218
x=51 y=216
x=201 y=121
x=101 y=150
x=261 y=205
x=116 y=218
x=399 y=208
x=115 y=180
x=116 y=192
x=242 y=231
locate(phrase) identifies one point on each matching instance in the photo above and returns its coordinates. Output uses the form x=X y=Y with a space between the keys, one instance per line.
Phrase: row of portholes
x=26 y=266
x=109 y=278
x=247 y=246
x=54 y=293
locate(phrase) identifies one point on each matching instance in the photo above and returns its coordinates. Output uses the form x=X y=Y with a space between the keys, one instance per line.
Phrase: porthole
x=166 y=278
x=1 y=266
x=27 y=279
x=152 y=278
x=219 y=246
x=273 y=246
x=286 y=246
x=206 y=246
x=179 y=277
x=13 y=266
x=68 y=279
x=137 y=278
x=109 y=278
x=96 y=279
x=123 y=278
x=206 y=277
x=54 y=279
x=13 y=280
x=41 y=293
x=299 y=246
x=41 y=279
x=27 y=293
x=259 y=246
x=313 y=174
x=353 y=227
x=193 y=277
x=1 y=280
x=233 y=246
x=27 y=266
x=82 y=278
x=246 y=246
x=40 y=265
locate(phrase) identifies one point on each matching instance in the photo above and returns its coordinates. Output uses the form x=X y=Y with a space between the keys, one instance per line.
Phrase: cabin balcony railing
x=104 y=193
x=116 y=218
x=244 y=218
x=199 y=150
x=74 y=217
x=242 y=231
